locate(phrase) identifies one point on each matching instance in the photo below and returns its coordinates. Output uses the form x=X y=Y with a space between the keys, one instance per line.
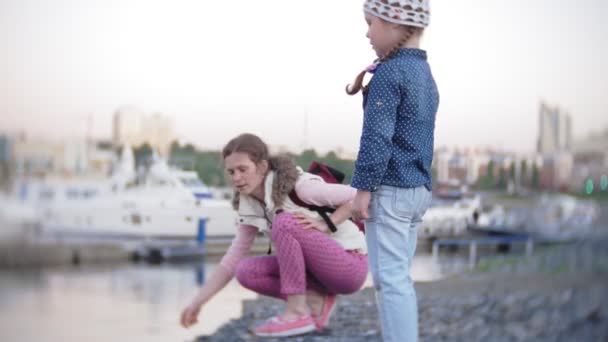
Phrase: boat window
x=72 y=193
x=135 y=219
x=192 y=182
x=46 y=194
x=89 y=193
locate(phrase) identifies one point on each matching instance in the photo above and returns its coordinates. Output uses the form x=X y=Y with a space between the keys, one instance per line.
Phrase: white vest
x=252 y=212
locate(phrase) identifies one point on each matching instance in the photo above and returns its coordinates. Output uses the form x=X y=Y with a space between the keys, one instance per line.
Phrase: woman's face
x=246 y=176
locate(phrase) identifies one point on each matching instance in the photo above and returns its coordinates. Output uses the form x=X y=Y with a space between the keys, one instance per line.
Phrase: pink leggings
x=305 y=259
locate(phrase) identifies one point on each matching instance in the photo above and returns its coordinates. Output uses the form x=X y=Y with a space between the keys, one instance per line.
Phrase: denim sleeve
x=379 y=118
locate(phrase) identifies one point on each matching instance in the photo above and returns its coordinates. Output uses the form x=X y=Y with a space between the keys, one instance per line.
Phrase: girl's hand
x=311 y=223
x=189 y=315
x=361 y=205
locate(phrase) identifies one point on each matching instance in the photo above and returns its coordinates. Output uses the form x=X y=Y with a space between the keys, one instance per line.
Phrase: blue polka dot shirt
x=400 y=106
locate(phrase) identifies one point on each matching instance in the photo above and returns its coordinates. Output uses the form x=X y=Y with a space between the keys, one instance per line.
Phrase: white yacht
x=450 y=218
x=162 y=203
x=563 y=217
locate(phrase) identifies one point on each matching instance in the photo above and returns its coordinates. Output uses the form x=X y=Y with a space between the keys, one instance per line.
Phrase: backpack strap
x=293 y=196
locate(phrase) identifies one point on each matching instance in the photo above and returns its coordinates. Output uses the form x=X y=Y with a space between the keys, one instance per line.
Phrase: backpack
x=329 y=175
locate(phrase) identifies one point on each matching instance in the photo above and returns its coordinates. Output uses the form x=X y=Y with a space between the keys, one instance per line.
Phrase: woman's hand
x=190 y=314
x=311 y=223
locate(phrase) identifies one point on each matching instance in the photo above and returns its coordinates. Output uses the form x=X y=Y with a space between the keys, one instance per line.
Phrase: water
x=141 y=302
x=126 y=302
x=129 y=302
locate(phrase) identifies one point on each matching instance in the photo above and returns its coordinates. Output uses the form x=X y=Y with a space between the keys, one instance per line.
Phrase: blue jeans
x=391 y=232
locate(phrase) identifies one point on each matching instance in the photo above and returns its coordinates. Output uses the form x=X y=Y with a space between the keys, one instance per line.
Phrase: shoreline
x=481 y=308
x=529 y=300
x=25 y=252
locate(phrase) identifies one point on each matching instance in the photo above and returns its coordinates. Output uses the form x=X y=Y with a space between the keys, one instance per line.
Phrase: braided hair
x=357 y=85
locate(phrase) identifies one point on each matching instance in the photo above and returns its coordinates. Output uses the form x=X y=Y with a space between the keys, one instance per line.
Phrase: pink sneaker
x=278 y=327
x=329 y=304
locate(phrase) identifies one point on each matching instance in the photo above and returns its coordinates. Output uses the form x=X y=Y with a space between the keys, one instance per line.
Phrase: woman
x=311 y=265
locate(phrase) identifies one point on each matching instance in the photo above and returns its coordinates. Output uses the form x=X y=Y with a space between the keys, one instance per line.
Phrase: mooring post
x=472 y=254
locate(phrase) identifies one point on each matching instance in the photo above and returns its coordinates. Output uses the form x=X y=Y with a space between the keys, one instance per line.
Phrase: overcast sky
x=279 y=67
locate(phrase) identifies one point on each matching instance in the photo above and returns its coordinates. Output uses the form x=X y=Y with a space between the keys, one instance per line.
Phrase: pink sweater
x=313 y=192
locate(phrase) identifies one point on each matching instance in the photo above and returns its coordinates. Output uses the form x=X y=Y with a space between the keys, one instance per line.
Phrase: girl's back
x=400 y=106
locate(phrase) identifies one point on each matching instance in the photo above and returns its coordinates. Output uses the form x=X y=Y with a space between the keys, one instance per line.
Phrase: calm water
x=142 y=302
x=130 y=302
x=120 y=303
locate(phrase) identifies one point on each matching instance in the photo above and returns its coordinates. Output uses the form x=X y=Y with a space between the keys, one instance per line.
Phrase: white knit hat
x=403 y=12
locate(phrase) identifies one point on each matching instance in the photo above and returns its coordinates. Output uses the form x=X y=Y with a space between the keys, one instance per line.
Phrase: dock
x=215 y=246
x=499 y=242
x=61 y=250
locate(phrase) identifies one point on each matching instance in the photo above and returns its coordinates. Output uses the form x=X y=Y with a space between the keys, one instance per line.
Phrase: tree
x=487 y=181
x=535 y=181
x=174 y=148
x=512 y=172
x=344 y=165
x=434 y=177
x=189 y=148
x=183 y=157
x=209 y=167
x=142 y=154
x=331 y=159
x=502 y=178
x=306 y=157
x=523 y=177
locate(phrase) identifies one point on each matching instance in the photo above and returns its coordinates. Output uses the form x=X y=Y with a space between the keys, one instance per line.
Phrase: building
x=36 y=157
x=554 y=130
x=554 y=147
x=473 y=167
x=127 y=126
x=158 y=132
x=132 y=127
x=5 y=160
x=590 y=160
x=465 y=167
x=102 y=157
x=477 y=165
x=556 y=171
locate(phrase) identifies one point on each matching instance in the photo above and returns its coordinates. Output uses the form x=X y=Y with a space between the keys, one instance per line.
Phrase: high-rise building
x=158 y=132
x=554 y=130
x=127 y=126
x=134 y=128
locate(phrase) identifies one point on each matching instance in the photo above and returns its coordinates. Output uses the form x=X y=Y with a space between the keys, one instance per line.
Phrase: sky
x=278 y=68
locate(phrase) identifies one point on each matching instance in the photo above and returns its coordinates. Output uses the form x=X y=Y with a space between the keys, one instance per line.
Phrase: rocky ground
x=509 y=301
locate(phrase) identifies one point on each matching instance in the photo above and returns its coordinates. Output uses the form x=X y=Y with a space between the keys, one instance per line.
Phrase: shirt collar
x=413 y=52
x=268 y=189
x=251 y=206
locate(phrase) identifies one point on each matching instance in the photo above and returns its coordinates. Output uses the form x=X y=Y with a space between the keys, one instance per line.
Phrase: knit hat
x=403 y=12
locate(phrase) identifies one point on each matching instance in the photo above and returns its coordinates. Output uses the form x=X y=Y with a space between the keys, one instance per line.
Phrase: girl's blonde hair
x=357 y=85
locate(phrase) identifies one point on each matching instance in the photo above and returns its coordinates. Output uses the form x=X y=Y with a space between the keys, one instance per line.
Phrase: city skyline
x=69 y=66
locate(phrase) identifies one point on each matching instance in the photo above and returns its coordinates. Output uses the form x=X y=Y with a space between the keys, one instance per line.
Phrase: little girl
x=311 y=264
x=393 y=169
